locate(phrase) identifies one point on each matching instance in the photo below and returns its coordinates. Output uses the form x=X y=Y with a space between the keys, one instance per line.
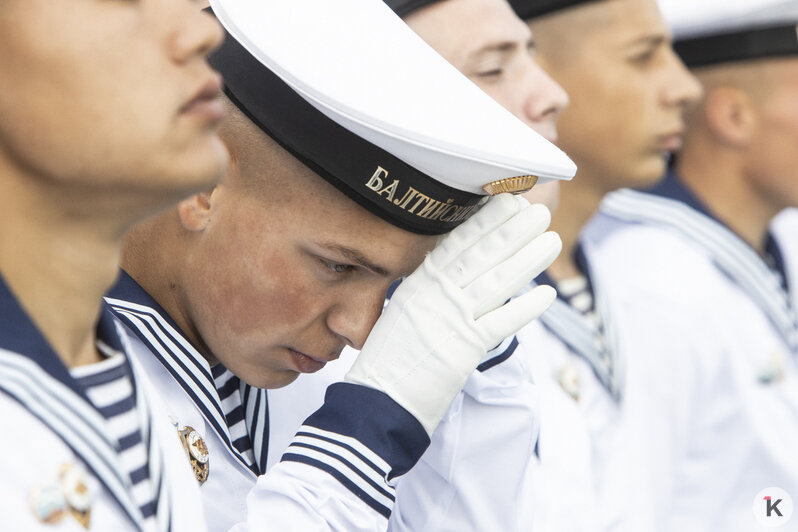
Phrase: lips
x=305 y=363
x=671 y=142
x=206 y=102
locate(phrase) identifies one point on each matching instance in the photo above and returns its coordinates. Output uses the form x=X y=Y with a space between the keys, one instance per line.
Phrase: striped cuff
x=364 y=439
x=499 y=354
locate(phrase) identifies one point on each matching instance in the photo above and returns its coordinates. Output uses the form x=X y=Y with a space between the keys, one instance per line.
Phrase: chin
x=273 y=380
x=647 y=174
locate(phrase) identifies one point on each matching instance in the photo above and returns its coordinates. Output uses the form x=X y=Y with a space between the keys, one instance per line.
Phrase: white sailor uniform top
x=573 y=357
x=340 y=466
x=70 y=463
x=710 y=411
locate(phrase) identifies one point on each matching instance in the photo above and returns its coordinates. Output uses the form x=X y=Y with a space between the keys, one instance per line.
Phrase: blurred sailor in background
x=107 y=123
x=628 y=91
x=706 y=290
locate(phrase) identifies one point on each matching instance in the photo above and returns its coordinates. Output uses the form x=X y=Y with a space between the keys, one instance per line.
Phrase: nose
x=545 y=98
x=195 y=33
x=683 y=88
x=355 y=314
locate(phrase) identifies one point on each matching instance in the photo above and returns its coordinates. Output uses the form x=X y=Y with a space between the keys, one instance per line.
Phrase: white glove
x=446 y=315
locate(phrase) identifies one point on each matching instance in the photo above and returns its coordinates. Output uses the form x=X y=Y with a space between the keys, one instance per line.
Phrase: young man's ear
x=195 y=211
x=731 y=116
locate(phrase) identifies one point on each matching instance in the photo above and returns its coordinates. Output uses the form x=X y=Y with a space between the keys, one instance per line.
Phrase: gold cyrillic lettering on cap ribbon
x=414 y=201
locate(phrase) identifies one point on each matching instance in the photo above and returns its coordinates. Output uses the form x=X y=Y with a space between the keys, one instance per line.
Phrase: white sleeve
x=477 y=468
x=659 y=407
x=339 y=472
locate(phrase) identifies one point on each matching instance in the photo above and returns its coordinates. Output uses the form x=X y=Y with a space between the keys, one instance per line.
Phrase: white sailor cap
x=709 y=32
x=528 y=9
x=348 y=89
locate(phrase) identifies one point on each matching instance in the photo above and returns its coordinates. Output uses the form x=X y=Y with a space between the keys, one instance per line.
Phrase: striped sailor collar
x=582 y=265
x=672 y=205
x=595 y=345
x=127 y=289
x=32 y=373
x=672 y=187
x=19 y=334
x=168 y=343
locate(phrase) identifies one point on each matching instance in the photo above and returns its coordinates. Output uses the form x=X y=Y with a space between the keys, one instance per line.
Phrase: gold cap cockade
x=513 y=185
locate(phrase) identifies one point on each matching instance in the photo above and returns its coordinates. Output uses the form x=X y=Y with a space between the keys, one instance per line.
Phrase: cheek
x=773 y=158
x=630 y=138
x=69 y=118
x=265 y=295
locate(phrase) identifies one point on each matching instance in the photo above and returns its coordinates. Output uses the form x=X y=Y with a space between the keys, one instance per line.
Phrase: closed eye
x=338 y=268
x=496 y=72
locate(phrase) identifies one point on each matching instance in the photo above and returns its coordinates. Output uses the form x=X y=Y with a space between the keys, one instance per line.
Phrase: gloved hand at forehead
x=445 y=316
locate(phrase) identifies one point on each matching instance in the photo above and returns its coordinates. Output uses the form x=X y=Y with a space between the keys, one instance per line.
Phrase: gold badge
x=68 y=493
x=197 y=452
x=513 y=185
x=774 y=369
x=76 y=494
x=568 y=377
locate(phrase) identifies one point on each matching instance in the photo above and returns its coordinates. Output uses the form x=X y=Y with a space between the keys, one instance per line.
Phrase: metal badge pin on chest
x=568 y=378
x=774 y=369
x=48 y=503
x=65 y=494
x=513 y=185
x=197 y=452
x=76 y=494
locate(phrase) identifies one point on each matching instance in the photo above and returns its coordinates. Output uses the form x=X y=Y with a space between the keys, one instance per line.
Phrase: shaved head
x=253 y=154
x=757 y=78
x=571 y=28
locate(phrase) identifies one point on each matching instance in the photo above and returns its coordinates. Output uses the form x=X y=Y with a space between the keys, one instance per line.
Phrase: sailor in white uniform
x=707 y=298
x=335 y=185
x=476 y=476
x=106 y=456
x=108 y=123
x=571 y=352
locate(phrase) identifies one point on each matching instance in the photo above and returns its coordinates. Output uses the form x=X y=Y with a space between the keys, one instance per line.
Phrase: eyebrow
x=356 y=257
x=651 y=41
x=502 y=47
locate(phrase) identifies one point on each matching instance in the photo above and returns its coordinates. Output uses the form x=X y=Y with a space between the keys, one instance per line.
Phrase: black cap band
x=405 y=7
x=526 y=9
x=369 y=175
x=738 y=46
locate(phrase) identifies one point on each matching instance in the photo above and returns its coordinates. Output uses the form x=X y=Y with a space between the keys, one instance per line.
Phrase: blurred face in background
x=771 y=161
x=628 y=89
x=487 y=42
x=110 y=94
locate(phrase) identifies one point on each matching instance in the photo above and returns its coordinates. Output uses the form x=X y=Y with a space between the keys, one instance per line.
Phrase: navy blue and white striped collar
x=32 y=373
x=672 y=187
x=581 y=262
x=19 y=334
x=597 y=346
x=672 y=204
x=157 y=330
